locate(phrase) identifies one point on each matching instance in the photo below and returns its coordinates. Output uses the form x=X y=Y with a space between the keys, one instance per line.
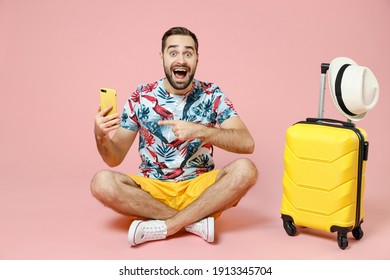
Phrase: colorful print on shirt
x=163 y=155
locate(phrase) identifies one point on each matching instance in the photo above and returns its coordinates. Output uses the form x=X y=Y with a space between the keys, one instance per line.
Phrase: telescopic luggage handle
x=324 y=69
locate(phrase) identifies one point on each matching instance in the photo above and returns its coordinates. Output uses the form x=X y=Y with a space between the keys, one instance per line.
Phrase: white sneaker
x=203 y=228
x=142 y=231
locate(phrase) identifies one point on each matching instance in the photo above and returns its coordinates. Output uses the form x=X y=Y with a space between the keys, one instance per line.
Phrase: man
x=176 y=186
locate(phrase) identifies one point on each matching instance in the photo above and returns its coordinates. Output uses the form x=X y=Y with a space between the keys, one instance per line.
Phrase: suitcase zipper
x=363 y=155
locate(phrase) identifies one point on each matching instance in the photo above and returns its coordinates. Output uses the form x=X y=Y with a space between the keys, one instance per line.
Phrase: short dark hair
x=179 y=31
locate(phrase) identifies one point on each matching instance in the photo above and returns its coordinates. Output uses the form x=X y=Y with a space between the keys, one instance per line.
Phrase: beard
x=179 y=85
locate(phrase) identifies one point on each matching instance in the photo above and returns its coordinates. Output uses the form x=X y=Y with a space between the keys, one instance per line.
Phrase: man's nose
x=181 y=58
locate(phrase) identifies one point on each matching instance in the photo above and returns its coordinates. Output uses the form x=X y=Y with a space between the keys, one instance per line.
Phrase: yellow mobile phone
x=108 y=97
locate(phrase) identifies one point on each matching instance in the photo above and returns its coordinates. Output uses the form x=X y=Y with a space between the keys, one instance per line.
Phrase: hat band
x=338 y=90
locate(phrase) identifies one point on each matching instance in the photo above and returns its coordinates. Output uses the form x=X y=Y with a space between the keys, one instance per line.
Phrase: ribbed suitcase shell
x=321 y=176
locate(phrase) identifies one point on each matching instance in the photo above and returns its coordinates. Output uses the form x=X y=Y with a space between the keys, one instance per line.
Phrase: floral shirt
x=163 y=156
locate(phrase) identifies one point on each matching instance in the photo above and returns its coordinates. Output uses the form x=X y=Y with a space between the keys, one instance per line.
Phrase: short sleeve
x=129 y=119
x=225 y=108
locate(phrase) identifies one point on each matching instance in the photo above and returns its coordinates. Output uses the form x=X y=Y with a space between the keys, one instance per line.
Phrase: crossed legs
x=120 y=193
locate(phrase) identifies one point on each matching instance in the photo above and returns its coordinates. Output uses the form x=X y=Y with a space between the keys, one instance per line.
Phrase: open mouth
x=180 y=73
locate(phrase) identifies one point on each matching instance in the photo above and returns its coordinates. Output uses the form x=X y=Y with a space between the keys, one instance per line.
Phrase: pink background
x=265 y=55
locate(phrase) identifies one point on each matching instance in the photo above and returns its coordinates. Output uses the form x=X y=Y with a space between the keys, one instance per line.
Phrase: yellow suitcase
x=323 y=181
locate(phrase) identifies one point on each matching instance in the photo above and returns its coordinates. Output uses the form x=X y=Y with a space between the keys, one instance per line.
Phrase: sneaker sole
x=210 y=228
x=131 y=234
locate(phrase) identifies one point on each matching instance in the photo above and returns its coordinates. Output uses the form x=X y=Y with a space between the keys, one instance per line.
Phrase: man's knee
x=246 y=170
x=101 y=184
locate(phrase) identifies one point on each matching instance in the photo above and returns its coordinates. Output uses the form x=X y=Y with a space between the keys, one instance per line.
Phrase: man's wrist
x=101 y=138
x=205 y=132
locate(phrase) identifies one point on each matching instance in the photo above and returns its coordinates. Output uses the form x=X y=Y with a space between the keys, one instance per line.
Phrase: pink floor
x=55 y=55
x=55 y=217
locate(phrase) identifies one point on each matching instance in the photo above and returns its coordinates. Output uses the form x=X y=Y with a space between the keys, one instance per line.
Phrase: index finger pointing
x=167 y=122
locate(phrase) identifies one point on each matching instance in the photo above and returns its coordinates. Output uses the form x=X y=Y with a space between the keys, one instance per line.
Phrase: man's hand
x=104 y=124
x=185 y=130
x=232 y=135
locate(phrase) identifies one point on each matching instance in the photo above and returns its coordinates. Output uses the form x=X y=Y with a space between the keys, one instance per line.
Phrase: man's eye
x=188 y=54
x=172 y=54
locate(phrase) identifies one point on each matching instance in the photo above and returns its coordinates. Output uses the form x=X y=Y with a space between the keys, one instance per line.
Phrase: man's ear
x=161 y=58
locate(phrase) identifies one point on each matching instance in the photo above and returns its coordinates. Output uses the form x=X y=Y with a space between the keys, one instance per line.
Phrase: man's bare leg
x=233 y=181
x=120 y=193
x=123 y=195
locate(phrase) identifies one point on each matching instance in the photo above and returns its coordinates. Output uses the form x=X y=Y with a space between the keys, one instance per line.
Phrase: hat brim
x=334 y=69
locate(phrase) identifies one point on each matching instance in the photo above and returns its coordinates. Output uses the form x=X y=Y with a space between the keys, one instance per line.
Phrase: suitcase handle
x=321 y=120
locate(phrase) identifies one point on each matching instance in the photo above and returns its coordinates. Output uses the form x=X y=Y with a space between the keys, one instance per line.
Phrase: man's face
x=179 y=59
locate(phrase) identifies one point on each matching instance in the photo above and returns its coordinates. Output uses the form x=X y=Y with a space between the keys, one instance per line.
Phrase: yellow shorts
x=177 y=195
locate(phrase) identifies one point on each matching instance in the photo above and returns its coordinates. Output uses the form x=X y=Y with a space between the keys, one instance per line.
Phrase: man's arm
x=112 y=150
x=232 y=136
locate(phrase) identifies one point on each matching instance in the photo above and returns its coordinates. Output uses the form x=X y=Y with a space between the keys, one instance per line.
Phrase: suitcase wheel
x=357 y=233
x=342 y=240
x=290 y=228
